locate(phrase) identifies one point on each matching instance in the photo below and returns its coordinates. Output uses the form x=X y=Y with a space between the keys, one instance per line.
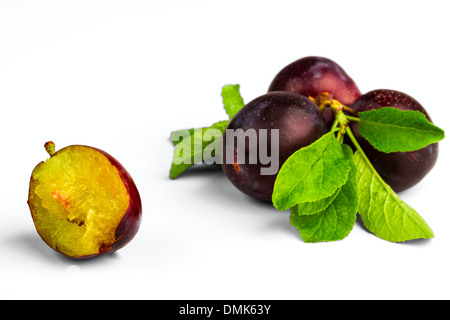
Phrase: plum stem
x=348 y=109
x=342 y=120
x=322 y=100
x=335 y=124
x=352 y=118
x=50 y=148
x=358 y=147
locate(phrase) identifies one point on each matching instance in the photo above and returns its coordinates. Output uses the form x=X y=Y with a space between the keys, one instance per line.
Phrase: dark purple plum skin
x=300 y=122
x=311 y=76
x=400 y=170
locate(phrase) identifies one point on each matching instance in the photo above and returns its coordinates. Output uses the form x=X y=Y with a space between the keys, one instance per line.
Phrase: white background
x=121 y=75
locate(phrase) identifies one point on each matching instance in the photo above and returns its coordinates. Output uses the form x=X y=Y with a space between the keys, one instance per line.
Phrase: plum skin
x=400 y=170
x=300 y=122
x=131 y=220
x=311 y=76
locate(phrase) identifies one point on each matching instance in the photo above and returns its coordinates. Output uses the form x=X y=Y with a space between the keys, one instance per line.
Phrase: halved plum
x=83 y=202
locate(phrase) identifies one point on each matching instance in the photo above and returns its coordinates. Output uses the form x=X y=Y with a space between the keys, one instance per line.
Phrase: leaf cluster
x=326 y=184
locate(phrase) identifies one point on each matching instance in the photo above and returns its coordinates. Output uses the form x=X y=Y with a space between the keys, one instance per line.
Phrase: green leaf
x=312 y=173
x=393 y=130
x=232 y=100
x=313 y=207
x=179 y=135
x=191 y=146
x=336 y=221
x=382 y=211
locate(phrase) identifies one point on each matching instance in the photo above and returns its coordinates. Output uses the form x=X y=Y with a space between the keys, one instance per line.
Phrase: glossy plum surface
x=311 y=76
x=401 y=170
x=300 y=123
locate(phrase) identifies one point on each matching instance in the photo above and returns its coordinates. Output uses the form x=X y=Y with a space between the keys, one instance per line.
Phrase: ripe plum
x=401 y=170
x=312 y=76
x=299 y=121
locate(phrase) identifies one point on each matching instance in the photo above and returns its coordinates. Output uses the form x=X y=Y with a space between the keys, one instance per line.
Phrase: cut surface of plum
x=77 y=200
